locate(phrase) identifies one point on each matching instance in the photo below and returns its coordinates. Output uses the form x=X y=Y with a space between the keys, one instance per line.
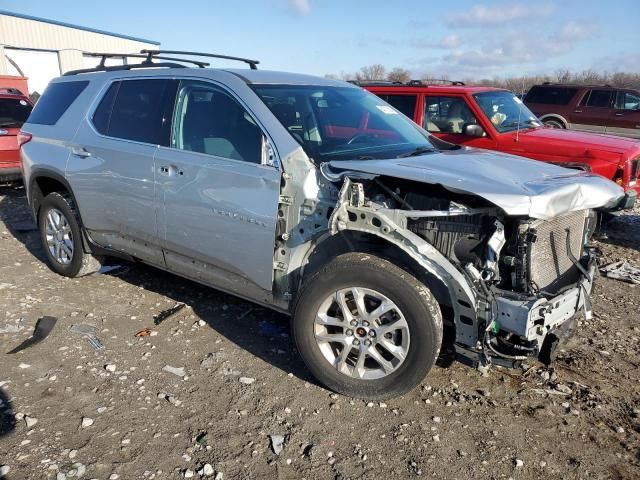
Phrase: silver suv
x=317 y=199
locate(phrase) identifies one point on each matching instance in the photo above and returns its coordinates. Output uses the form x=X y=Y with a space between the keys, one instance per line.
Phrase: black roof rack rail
x=10 y=91
x=388 y=83
x=455 y=83
x=253 y=64
x=147 y=63
x=410 y=83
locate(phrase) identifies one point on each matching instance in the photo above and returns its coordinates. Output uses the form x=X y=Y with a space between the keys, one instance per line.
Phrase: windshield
x=506 y=111
x=13 y=112
x=339 y=123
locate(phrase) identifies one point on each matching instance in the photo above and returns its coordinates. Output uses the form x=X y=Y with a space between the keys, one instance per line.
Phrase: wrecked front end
x=513 y=282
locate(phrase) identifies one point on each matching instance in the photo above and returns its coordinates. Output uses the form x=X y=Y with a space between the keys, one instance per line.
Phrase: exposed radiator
x=549 y=267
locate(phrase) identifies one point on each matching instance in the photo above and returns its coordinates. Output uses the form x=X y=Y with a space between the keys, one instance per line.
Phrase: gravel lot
x=238 y=392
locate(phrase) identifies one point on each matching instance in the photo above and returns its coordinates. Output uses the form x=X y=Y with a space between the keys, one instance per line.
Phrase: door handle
x=577 y=111
x=80 y=152
x=619 y=114
x=170 y=170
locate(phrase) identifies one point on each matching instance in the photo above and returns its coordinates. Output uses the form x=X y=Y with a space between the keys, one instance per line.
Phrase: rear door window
x=14 y=112
x=597 y=98
x=138 y=110
x=405 y=104
x=628 y=101
x=55 y=100
x=550 y=95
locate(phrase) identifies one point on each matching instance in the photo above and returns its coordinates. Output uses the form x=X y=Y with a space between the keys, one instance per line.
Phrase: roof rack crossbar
x=253 y=64
x=147 y=58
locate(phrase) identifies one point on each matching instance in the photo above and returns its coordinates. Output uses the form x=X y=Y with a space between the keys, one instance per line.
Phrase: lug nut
x=367 y=342
x=349 y=332
x=354 y=323
x=365 y=323
x=356 y=342
x=372 y=333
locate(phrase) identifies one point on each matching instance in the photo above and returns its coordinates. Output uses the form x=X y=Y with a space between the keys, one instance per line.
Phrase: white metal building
x=42 y=49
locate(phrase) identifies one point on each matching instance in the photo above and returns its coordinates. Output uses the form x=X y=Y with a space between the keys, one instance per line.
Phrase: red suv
x=14 y=111
x=603 y=109
x=496 y=119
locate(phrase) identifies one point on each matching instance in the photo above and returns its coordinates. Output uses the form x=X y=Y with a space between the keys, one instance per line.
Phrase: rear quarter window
x=406 y=104
x=550 y=95
x=55 y=100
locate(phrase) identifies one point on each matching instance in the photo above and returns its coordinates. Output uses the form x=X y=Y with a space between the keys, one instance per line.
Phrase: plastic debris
x=41 y=331
x=88 y=331
x=623 y=271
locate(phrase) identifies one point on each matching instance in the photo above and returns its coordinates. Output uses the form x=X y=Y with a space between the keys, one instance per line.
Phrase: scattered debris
x=206 y=470
x=518 y=462
x=4 y=470
x=30 y=421
x=110 y=367
x=145 y=332
x=42 y=329
x=247 y=380
x=201 y=438
x=623 y=271
x=179 y=371
x=90 y=332
x=277 y=443
x=24 y=366
x=168 y=313
x=86 y=422
x=270 y=329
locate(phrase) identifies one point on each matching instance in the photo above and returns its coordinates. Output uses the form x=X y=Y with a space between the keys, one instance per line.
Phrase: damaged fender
x=353 y=213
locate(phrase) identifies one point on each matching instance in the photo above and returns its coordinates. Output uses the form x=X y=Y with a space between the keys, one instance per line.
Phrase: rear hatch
x=14 y=111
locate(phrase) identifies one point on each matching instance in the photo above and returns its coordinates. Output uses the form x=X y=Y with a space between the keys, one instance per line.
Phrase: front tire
x=61 y=237
x=367 y=328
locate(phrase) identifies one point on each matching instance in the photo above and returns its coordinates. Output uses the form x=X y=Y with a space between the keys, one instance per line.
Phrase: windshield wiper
x=416 y=152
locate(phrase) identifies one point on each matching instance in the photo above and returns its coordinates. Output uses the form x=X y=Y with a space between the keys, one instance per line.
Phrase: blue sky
x=462 y=39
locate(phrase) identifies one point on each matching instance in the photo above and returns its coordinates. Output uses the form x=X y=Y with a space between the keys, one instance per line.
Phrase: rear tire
x=554 y=123
x=364 y=353
x=61 y=237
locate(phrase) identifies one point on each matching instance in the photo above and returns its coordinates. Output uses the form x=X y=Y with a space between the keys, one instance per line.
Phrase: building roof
x=77 y=27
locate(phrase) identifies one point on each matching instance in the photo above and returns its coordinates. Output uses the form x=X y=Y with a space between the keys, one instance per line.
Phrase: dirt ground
x=69 y=411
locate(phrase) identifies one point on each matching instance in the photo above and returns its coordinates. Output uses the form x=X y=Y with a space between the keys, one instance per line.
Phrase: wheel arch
x=555 y=116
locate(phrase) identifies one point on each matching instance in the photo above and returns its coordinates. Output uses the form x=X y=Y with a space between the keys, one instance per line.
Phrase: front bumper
x=531 y=321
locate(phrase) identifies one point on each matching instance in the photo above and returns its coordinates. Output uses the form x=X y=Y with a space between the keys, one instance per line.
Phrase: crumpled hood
x=519 y=186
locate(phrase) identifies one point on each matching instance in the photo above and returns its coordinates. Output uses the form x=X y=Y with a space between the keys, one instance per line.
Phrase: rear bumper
x=10 y=174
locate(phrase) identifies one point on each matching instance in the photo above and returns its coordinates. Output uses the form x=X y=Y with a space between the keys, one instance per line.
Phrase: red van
x=496 y=119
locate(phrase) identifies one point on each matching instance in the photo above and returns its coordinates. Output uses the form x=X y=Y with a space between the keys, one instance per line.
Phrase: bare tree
x=515 y=84
x=398 y=74
x=371 y=72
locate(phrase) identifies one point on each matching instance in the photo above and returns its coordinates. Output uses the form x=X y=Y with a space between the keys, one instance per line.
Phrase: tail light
x=23 y=137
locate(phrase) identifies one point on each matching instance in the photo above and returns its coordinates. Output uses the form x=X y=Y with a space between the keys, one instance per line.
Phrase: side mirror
x=474 y=130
